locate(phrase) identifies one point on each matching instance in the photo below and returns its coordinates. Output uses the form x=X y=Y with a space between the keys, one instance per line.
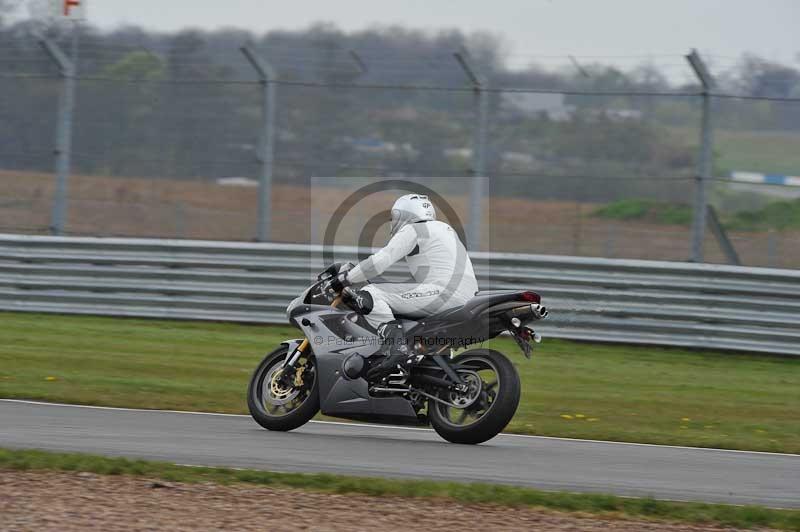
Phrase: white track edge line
x=395 y=427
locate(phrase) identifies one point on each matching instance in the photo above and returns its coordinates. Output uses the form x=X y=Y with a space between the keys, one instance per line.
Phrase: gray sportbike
x=467 y=398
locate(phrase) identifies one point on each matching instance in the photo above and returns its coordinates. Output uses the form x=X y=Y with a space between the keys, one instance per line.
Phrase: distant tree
x=756 y=76
x=180 y=109
x=759 y=77
x=7 y=10
x=648 y=77
x=137 y=66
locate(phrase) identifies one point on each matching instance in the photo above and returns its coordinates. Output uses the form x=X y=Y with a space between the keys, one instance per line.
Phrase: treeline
x=186 y=105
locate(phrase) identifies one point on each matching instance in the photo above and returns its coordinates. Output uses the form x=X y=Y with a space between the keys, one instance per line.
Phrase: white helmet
x=409 y=209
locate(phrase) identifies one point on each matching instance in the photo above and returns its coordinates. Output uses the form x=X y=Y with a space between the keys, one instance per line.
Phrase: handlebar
x=346 y=292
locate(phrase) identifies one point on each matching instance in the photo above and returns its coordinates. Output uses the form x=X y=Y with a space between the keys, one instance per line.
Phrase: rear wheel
x=488 y=405
x=276 y=405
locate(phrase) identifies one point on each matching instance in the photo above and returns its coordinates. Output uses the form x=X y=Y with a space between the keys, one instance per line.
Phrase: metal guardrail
x=632 y=301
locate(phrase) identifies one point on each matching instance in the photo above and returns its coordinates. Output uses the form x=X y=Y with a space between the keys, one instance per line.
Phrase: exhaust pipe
x=534 y=310
x=539 y=311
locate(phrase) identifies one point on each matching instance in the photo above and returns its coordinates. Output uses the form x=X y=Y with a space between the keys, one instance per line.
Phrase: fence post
x=266 y=75
x=66 y=107
x=360 y=64
x=721 y=235
x=705 y=162
x=481 y=96
x=772 y=249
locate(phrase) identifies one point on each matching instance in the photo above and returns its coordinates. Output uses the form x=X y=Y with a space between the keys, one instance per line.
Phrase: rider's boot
x=394 y=349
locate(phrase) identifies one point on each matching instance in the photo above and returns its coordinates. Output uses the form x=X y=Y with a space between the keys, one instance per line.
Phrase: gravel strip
x=47 y=500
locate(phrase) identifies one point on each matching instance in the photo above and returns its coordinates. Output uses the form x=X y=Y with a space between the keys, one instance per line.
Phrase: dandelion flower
x=592 y=419
x=566 y=416
x=579 y=416
x=685 y=419
x=51 y=379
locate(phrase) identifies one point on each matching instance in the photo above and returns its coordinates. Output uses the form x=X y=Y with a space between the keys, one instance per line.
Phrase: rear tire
x=298 y=416
x=499 y=413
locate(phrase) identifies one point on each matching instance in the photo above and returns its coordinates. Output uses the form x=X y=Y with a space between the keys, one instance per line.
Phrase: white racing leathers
x=442 y=272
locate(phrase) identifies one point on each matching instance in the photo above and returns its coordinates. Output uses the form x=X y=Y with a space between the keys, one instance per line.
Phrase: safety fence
x=224 y=137
x=609 y=300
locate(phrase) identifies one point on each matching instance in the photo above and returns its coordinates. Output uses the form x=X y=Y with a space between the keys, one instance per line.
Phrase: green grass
x=772 y=152
x=738 y=516
x=769 y=152
x=778 y=215
x=580 y=390
x=642 y=209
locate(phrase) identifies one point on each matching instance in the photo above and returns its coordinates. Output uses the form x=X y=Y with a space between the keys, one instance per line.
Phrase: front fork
x=297 y=348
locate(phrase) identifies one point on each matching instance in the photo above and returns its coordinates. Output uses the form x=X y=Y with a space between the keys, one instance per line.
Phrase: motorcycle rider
x=439 y=264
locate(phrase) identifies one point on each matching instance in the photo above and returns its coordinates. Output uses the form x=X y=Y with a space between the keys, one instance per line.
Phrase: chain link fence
x=167 y=144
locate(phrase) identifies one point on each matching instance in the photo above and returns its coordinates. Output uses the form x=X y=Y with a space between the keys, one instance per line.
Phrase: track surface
x=548 y=463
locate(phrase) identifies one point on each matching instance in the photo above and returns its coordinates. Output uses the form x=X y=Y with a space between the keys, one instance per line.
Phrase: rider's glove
x=338 y=283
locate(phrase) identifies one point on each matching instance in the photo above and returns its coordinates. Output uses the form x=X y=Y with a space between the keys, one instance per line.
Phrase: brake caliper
x=298 y=375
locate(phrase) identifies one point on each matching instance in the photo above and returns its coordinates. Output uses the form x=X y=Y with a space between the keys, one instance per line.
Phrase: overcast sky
x=770 y=28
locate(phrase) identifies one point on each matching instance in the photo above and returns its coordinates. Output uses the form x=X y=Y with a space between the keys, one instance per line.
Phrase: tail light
x=529 y=297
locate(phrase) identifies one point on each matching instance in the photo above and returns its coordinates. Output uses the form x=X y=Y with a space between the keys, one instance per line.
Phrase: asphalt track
x=677 y=473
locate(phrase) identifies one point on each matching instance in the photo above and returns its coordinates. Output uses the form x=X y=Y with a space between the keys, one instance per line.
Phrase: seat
x=489 y=298
x=471 y=308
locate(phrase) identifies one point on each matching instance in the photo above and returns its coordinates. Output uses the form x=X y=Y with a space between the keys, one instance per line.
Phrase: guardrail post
x=705 y=161
x=66 y=106
x=266 y=147
x=479 y=86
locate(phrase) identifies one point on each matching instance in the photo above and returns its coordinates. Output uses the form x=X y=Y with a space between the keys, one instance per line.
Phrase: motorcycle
x=467 y=397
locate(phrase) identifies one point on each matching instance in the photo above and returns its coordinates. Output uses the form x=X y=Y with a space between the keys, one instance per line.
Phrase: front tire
x=279 y=408
x=491 y=412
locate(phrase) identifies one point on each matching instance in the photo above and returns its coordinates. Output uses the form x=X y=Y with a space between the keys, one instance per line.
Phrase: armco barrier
x=645 y=302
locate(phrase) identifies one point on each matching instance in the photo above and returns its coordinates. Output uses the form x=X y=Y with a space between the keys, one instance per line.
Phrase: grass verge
x=777 y=215
x=648 y=210
x=739 y=516
x=780 y=215
x=570 y=389
x=758 y=151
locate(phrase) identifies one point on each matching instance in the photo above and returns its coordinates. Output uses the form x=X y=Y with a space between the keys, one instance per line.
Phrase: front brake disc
x=276 y=393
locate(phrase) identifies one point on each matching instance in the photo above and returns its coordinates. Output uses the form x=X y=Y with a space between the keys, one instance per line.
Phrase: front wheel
x=278 y=406
x=480 y=413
